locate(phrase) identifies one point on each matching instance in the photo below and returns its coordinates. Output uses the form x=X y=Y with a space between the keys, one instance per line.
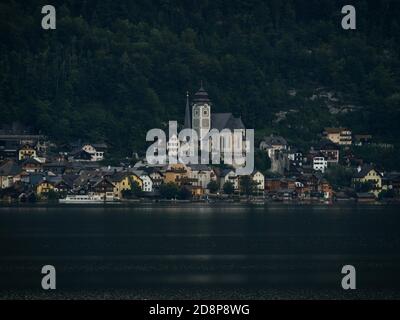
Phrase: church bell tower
x=201 y=112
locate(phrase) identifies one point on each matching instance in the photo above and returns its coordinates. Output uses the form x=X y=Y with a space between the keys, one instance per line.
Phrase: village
x=29 y=172
x=34 y=169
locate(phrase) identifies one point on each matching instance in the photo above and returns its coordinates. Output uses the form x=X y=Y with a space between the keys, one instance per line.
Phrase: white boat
x=84 y=199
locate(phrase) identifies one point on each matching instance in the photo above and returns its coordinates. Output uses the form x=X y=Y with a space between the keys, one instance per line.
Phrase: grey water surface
x=192 y=251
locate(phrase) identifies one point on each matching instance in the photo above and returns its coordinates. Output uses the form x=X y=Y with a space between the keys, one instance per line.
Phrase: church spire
x=187 y=124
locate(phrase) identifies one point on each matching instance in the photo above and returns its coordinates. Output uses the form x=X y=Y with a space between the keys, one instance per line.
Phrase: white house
x=201 y=174
x=173 y=146
x=229 y=175
x=272 y=144
x=258 y=179
x=147 y=185
x=320 y=163
x=95 y=150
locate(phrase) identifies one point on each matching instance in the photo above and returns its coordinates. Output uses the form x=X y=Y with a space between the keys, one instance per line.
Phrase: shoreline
x=199 y=204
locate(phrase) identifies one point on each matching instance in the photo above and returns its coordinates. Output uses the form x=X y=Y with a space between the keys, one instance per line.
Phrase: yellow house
x=368 y=174
x=26 y=152
x=134 y=178
x=341 y=136
x=121 y=182
x=44 y=187
x=176 y=173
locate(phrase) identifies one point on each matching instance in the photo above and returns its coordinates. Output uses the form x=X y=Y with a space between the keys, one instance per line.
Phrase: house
x=103 y=187
x=177 y=173
x=63 y=186
x=201 y=175
x=26 y=151
x=44 y=187
x=121 y=182
x=326 y=189
x=10 y=173
x=296 y=158
x=280 y=162
x=32 y=165
x=329 y=150
x=272 y=144
x=173 y=146
x=362 y=139
x=96 y=150
x=197 y=191
x=311 y=181
x=147 y=183
x=9 y=149
x=156 y=176
x=320 y=163
x=55 y=167
x=272 y=184
x=134 y=178
x=340 y=136
x=79 y=155
x=258 y=180
x=229 y=175
x=368 y=175
x=391 y=181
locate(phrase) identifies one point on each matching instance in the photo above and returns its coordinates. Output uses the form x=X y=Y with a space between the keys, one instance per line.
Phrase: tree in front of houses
x=228 y=188
x=169 y=190
x=184 y=193
x=246 y=185
x=213 y=186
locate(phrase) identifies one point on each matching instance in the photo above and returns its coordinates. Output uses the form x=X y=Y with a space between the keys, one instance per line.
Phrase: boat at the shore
x=85 y=199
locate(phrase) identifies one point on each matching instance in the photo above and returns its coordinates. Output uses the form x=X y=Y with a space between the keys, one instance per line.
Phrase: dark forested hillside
x=113 y=69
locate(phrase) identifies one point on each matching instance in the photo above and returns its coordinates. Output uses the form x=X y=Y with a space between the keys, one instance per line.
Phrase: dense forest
x=114 y=69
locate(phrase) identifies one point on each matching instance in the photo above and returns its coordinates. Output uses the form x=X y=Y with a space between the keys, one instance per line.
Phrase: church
x=202 y=120
x=198 y=117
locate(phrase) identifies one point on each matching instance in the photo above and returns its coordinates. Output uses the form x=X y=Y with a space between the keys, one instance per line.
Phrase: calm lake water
x=201 y=252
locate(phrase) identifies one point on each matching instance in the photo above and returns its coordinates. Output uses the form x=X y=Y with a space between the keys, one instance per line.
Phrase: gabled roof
x=335 y=130
x=255 y=172
x=69 y=179
x=80 y=152
x=10 y=168
x=326 y=144
x=118 y=176
x=36 y=178
x=225 y=172
x=274 y=140
x=98 y=180
x=31 y=161
x=364 y=171
x=222 y=121
x=151 y=170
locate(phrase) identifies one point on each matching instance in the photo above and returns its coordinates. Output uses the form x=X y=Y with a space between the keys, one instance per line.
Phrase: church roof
x=187 y=123
x=222 y=121
x=201 y=96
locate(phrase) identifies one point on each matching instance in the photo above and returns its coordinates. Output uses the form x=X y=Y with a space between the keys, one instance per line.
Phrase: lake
x=200 y=252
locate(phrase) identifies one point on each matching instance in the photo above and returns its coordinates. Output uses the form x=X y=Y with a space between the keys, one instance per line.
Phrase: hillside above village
x=114 y=69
